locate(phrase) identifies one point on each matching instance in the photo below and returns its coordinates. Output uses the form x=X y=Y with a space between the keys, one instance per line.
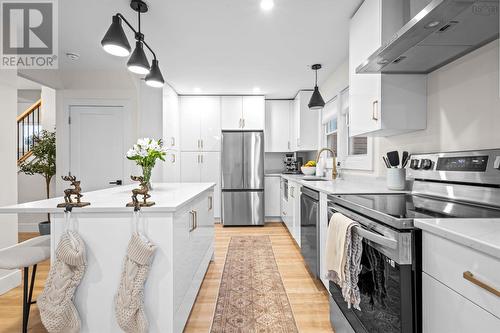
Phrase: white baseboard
x=9 y=279
x=273 y=219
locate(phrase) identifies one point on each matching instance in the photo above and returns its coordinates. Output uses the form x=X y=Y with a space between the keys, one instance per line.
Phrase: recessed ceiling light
x=266 y=4
x=72 y=56
x=197 y=90
x=256 y=90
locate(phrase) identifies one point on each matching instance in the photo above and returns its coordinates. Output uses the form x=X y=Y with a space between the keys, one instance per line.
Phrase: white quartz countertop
x=168 y=197
x=351 y=185
x=480 y=234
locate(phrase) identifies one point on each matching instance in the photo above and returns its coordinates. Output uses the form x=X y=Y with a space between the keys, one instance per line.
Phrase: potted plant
x=43 y=163
x=145 y=153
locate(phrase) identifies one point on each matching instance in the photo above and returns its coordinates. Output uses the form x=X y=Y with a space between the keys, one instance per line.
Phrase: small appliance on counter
x=292 y=164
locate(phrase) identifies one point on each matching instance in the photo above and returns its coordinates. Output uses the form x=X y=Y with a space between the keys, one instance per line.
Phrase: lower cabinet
x=293 y=224
x=202 y=167
x=172 y=167
x=272 y=196
x=192 y=249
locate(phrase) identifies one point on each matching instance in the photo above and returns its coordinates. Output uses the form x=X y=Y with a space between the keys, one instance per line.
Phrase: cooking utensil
x=404 y=159
x=386 y=161
x=393 y=157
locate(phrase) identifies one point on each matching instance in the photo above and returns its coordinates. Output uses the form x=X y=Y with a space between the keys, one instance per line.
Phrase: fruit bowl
x=308 y=171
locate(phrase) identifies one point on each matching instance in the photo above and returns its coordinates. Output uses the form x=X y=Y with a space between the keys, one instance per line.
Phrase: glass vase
x=146 y=174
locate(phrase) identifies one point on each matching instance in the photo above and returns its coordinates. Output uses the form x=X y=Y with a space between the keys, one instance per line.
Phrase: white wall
x=8 y=170
x=48 y=115
x=463 y=108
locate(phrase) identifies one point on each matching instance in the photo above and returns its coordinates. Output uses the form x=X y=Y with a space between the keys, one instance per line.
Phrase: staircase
x=28 y=128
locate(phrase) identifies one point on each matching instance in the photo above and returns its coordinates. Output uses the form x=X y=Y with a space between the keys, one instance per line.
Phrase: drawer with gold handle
x=470 y=277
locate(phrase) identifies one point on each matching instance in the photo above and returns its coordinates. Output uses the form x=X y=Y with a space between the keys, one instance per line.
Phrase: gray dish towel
x=353 y=249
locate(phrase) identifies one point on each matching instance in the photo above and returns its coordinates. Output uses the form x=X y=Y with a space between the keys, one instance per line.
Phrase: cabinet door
x=444 y=310
x=210 y=123
x=190 y=166
x=277 y=128
x=172 y=167
x=308 y=123
x=210 y=172
x=294 y=123
x=272 y=196
x=190 y=122
x=231 y=112
x=170 y=119
x=364 y=89
x=296 y=213
x=253 y=112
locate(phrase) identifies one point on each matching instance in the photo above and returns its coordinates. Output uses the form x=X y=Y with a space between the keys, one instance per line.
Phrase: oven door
x=388 y=287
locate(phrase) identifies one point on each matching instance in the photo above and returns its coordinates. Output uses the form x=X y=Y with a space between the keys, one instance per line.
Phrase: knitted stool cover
x=129 y=303
x=57 y=311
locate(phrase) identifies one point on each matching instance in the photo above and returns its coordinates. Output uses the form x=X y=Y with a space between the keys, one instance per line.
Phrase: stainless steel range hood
x=442 y=32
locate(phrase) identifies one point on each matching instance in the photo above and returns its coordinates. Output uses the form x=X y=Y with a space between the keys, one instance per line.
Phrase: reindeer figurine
x=76 y=191
x=143 y=190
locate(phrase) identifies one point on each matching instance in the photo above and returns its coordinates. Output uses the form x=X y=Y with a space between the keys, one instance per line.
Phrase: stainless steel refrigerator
x=242 y=178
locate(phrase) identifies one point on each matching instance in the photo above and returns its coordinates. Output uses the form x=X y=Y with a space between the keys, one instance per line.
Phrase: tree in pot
x=42 y=163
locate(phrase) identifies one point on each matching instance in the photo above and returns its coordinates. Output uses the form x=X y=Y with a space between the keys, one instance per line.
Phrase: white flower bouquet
x=145 y=153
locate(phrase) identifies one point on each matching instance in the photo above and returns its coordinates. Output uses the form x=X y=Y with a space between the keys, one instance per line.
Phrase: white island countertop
x=168 y=197
x=480 y=234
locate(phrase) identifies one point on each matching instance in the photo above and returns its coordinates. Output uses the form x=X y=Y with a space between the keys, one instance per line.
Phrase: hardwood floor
x=308 y=297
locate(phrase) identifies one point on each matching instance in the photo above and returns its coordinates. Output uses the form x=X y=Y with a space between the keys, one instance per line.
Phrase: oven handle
x=376 y=238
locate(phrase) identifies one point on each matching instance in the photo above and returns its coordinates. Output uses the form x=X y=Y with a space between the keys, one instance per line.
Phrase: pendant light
x=116 y=43
x=316 y=102
x=154 y=78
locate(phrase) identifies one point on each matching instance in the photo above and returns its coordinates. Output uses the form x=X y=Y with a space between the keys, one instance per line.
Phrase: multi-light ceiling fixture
x=316 y=102
x=115 y=42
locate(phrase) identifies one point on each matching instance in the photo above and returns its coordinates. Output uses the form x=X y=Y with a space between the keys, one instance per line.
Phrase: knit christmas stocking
x=57 y=310
x=129 y=305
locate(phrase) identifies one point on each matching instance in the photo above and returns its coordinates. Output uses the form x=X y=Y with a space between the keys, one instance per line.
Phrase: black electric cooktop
x=407 y=206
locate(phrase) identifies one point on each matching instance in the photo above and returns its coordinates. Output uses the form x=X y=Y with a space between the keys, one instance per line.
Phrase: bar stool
x=24 y=255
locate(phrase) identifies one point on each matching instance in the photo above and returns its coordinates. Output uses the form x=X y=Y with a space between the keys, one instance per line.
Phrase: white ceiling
x=218 y=46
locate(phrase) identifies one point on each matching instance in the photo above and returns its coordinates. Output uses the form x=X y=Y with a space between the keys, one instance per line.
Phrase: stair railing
x=28 y=128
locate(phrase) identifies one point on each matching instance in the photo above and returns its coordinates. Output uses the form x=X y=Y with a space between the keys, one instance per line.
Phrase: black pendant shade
x=138 y=62
x=316 y=102
x=115 y=41
x=154 y=78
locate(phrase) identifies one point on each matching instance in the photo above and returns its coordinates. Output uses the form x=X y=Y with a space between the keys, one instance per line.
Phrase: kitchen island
x=180 y=224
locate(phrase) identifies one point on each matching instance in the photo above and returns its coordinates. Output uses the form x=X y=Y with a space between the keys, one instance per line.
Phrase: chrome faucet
x=334 y=169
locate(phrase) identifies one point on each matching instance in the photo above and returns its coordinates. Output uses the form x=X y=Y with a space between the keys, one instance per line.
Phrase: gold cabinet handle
x=191 y=221
x=375 y=110
x=210 y=203
x=173 y=158
x=470 y=277
x=172 y=141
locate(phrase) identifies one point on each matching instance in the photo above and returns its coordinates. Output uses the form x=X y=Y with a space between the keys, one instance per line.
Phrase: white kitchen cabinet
x=294 y=208
x=172 y=167
x=323 y=230
x=277 y=129
x=444 y=310
x=382 y=104
x=200 y=123
x=272 y=196
x=170 y=119
x=242 y=112
x=450 y=302
x=303 y=123
x=203 y=167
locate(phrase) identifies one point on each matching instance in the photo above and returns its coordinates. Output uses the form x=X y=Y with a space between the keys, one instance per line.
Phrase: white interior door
x=97 y=149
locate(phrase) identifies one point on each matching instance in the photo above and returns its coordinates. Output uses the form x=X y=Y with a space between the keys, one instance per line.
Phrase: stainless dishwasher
x=309 y=229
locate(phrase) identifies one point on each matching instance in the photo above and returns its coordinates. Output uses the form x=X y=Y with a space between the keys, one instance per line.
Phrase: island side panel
x=106 y=236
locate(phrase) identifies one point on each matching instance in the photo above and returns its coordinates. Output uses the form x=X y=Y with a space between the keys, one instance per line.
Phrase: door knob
x=117 y=182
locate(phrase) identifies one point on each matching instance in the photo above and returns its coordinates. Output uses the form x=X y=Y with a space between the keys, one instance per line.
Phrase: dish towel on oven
x=343 y=257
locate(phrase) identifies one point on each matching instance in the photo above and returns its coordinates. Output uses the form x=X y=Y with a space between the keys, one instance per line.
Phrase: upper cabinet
x=277 y=130
x=303 y=124
x=242 y=112
x=200 y=123
x=382 y=104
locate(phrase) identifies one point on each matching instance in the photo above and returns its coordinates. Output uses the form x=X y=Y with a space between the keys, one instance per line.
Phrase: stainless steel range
x=445 y=185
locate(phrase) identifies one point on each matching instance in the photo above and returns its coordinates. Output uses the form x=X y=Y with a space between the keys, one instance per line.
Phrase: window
x=354 y=152
x=329 y=120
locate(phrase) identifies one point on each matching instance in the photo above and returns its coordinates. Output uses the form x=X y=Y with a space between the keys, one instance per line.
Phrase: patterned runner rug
x=252 y=297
